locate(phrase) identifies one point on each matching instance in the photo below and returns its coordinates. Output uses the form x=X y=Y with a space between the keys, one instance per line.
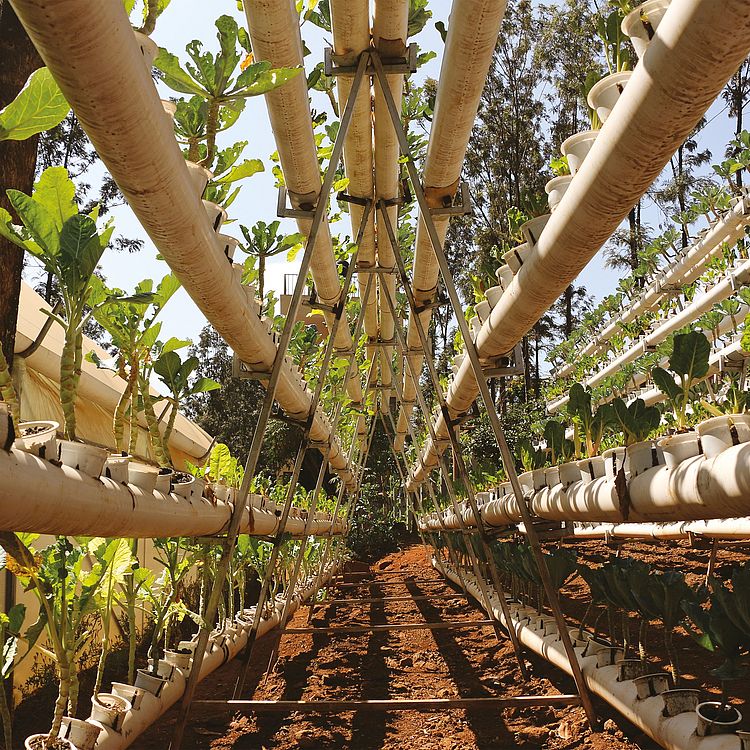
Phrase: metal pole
x=457 y=454
x=497 y=428
x=252 y=460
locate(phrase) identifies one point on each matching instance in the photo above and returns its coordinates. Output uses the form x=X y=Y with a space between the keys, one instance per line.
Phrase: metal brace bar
x=404 y=65
x=284 y=212
x=549 y=588
x=265 y=413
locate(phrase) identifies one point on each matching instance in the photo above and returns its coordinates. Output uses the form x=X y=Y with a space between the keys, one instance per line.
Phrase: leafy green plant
x=39 y=106
x=224 y=82
x=614 y=42
x=69 y=246
x=636 y=421
x=559 y=166
x=133 y=328
x=265 y=241
x=177 y=377
x=10 y=635
x=67 y=593
x=689 y=363
x=593 y=423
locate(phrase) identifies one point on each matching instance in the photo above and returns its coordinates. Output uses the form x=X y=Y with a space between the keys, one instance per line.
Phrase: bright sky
x=185 y=20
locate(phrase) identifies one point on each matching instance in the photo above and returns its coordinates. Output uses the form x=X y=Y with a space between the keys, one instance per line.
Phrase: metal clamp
x=284 y=212
x=332 y=63
x=460 y=208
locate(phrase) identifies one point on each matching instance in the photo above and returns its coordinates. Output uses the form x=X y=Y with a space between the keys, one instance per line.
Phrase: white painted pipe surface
x=97 y=64
x=671 y=732
x=151 y=707
x=693 y=54
x=274 y=27
x=472 y=33
x=37 y=496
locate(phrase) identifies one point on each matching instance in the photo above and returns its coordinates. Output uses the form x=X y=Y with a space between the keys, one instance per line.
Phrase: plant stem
x=674 y=667
x=68 y=382
x=5 y=716
x=118 y=424
x=642 y=630
x=63 y=672
x=154 y=435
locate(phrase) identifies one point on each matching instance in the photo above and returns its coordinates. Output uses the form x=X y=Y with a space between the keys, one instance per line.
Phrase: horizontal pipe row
x=693 y=54
x=99 y=68
x=41 y=497
x=673 y=726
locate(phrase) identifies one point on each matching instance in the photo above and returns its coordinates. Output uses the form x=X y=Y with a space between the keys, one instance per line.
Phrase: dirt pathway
x=395 y=664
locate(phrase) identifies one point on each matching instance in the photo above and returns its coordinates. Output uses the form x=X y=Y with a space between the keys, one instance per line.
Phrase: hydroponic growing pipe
x=98 y=66
x=40 y=497
x=469 y=46
x=693 y=54
x=275 y=35
x=151 y=707
x=350 y=22
x=648 y=709
x=726 y=232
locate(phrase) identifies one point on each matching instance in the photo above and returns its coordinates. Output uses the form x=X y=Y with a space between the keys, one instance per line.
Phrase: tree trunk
x=18 y=59
x=568 y=311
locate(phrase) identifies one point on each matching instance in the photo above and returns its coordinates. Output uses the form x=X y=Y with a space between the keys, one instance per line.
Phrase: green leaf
x=175 y=77
x=261 y=82
x=247 y=168
x=665 y=382
x=203 y=385
x=80 y=250
x=39 y=106
x=37 y=219
x=690 y=355
x=167 y=367
x=174 y=343
x=56 y=192
x=8 y=229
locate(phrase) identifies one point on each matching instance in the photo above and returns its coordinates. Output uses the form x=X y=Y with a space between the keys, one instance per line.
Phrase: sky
x=185 y=20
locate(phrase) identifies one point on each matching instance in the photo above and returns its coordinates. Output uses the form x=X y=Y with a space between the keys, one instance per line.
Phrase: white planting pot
x=576 y=148
x=641 y=23
x=149 y=50
x=116 y=468
x=493 y=294
x=592 y=468
x=482 y=310
x=216 y=214
x=88 y=459
x=42 y=443
x=515 y=258
x=533 y=228
x=143 y=476
x=199 y=177
x=504 y=275
x=569 y=473
x=82 y=734
x=640 y=457
x=680 y=447
x=555 y=190
x=606 y=93
x=164 y=480
x=476 y=325
x=112 y=715
x=719 y=433
x=614 y=460
x=228 y=244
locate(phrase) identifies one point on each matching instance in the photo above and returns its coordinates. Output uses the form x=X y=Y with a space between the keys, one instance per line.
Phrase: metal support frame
x=302 y=450
x=445 y=469
x=263 y=418
x=471 y=350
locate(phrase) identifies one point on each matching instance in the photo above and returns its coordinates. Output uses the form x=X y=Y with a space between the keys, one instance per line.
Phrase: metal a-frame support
x=240 y=506
x=446 y=472
x=471 y=350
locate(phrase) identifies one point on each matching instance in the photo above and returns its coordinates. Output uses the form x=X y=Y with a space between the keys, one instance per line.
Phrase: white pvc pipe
x=717 y=293
x=99 y=68
x=727 y=231
x=350 y=20
x=693 y=54
x=728 y=324
x=673 y=733
x=37 y=496
x=718 y=528
x=274 y=27
x=472 y=34
x=151 y=707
